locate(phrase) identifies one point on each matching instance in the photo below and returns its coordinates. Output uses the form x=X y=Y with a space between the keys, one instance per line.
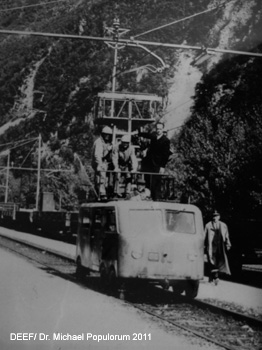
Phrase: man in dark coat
x=217 y=243
x=158 y=152
x=156 y=158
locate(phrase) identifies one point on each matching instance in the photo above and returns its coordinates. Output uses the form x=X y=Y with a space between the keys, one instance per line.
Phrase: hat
x=126 y=138
x=216 y=213
x=141 y=182
x=107 y=130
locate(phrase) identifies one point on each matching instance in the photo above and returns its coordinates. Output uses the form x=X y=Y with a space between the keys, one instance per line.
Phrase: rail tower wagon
x=131 y=242
x=136 y=243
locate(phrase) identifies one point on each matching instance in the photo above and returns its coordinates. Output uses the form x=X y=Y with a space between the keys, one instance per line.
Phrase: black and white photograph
x=131 y=174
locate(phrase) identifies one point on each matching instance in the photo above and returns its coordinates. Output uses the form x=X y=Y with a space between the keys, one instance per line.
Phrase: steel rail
x=130 y=42
x=201 y=304
x=173 y=323
x=256 y=322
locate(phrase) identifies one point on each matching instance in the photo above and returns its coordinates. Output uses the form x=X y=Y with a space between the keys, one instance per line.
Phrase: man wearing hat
x=141 y=193
x=101 y=159
x=217 y=243
x=158 y=152
x=156 y=158
x=124 y=159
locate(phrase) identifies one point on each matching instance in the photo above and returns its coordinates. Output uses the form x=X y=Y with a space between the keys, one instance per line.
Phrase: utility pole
x=116 y=33
x=38 y=172
x=7 y=177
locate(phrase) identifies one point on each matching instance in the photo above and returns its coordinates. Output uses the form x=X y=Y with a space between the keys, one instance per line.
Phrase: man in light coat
x=124 y=159
x=123 y=156
x=217 y=243
x=101 y=159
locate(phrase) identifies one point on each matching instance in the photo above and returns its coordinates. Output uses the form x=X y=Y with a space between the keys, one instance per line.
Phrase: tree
x=220 y=145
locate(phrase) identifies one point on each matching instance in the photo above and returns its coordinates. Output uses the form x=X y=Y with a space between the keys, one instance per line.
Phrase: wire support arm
x=130 y=42
x=163 y=65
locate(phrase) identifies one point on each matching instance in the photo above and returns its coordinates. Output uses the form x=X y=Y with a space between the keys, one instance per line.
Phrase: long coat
x=158 y=153
x=101 y=154
x=220 y=262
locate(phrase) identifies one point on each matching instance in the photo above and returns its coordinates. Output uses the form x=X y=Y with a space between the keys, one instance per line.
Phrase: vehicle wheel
x=112 y=281
x=191 y=289
x=178 y=290
x=122 y=295
x=80 y=270
x=103 y=278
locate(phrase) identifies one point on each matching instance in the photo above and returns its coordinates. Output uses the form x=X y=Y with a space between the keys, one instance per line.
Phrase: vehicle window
x=180 y=221
x=144 y=221
x=97 y=218
x=110 y=220
x=86 y=219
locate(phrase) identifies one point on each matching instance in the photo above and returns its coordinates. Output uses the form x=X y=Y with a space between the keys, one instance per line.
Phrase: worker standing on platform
x=156 y=157
x=217 y=243
x=101 y=159
x=124 y=159
x=140 y=193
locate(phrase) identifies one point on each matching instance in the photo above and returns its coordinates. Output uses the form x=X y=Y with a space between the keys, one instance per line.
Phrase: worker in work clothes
x=217 y=243
x=101 y=160
x=124 y=159
x=140 y=193
x=156 y=158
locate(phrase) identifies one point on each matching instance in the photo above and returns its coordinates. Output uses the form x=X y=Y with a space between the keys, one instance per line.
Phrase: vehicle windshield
x=144 y=221
x=180 y=221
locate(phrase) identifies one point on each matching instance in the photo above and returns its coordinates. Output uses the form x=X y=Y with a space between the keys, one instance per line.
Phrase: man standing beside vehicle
x=217 y=243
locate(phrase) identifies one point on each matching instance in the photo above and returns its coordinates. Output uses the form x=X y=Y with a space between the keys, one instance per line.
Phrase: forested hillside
x=49 y=86
x=219 y=151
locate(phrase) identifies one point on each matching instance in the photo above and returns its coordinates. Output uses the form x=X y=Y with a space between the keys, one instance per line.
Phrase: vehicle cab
x=144 y=241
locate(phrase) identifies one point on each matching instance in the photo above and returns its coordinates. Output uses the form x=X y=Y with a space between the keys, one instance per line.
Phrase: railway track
x=227 y=329
x=215 y=324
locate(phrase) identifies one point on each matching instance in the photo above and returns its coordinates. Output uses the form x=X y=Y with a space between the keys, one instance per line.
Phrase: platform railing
x=112 y=184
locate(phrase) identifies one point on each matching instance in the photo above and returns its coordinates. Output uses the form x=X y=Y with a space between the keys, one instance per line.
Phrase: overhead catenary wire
x=180 y=20
x=159 y=45
x=20 y=145
x=31 y=150
x=12 y=142
x=176 y=107
x=130 y=70
x=161 y=27
x=131 y=42
x=42 y=169
x=33 y=5
x=135 y=69
x=176 y=127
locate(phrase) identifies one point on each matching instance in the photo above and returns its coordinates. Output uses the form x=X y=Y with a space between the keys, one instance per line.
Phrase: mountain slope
x=49 y=86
